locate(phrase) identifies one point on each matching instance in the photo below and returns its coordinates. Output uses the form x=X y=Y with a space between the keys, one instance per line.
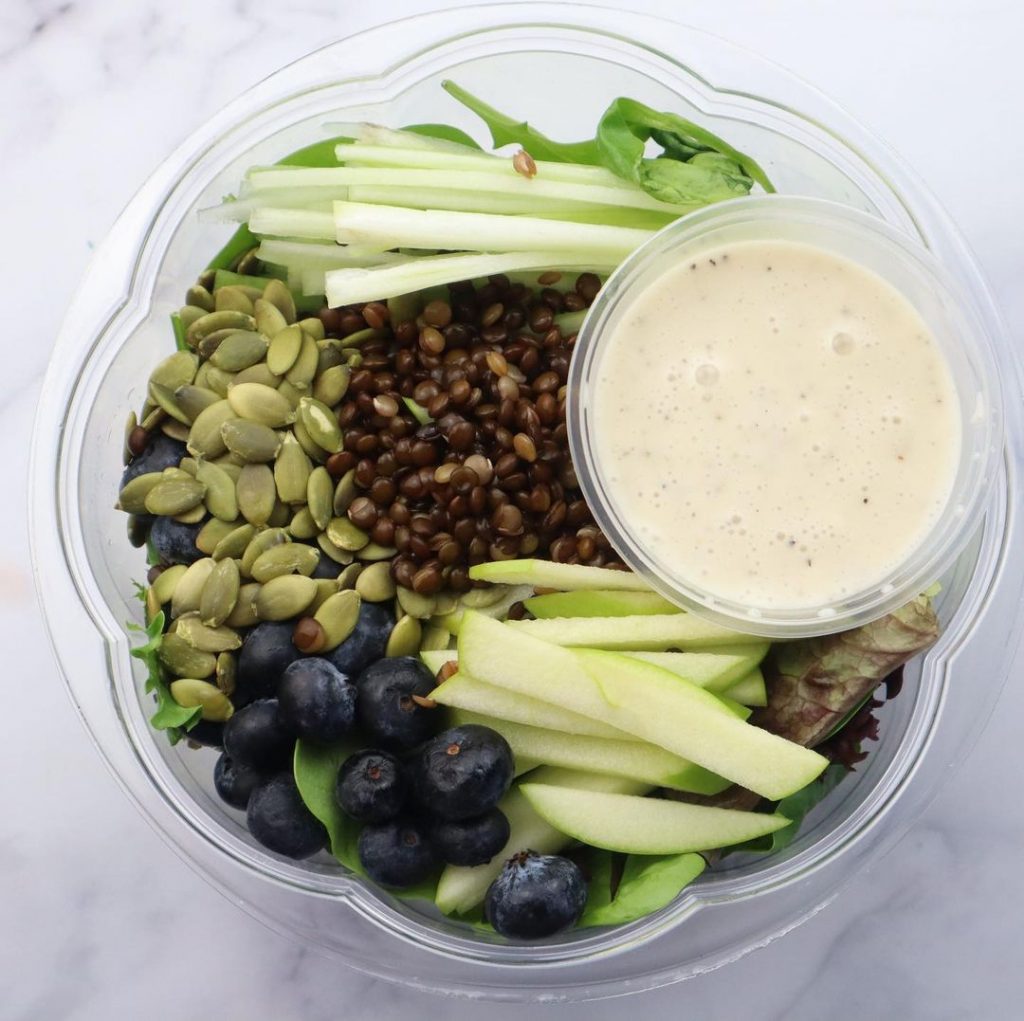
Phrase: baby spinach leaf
x=648 y=883
x=316 y=773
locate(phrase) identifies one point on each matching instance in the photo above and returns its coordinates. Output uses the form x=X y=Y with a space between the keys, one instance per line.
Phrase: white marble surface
x=100 y=919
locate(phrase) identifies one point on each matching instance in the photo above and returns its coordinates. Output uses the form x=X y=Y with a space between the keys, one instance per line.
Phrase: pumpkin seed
x=226 y=671
x=208 y=345
x=353 y=358
x=269 y=321
x=277 y=293
x=434 y=637
x=280 y=516
x=338 y=617
x=344 y=534
x=332 y=385
x=212 y=533
x=132 y=497
x=193 y=400
x=200 y=297
x=290 y=394
x=179 y=369
x=191 y=517
x=189 y=589
x=347 y=577
x=258 y=373
x=176 y=474
x=330 y=356
x=207 y=279
x=256 y=402
x=175 y=496
x=291 y=471
x=445 y=603
x=204 y=438
x=166 y=581
x=230 y=297
x=152 y=417
x=220 y=497
x=207 y=639
x=301 y=374
x=256 y=493
x=336 y=553
x=320 y=497
x=220 y=593
x=313 y=327
x=478 y=598
x=253 y=442
x=285 y=597
x=249 y=262
x=190 y=692
x=239 y=351
x=129 y=428
x=302 y=525
x=218 y=380
x=361 y=337
x=321 y=424
x=165 y=400
x=152 y=606
x=414 y=604
x=375 y=584
x=260 y=543
x=285 y=344
x=288 y=558
x=244 y=613
x=325 y=588
x=312 y=451
x=182 y=660
x=188 y=314
x=227 y=319
x=138 y=530
x=176 y=430
x=235 y=543
x=189 y=465
x=374 y=551
x=345 y=492
x=405 y=638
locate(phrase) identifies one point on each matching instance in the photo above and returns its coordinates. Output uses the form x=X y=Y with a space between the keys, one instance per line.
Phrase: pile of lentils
x=490 y=477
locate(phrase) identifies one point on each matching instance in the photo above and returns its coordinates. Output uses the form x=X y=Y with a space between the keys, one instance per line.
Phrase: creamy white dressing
x=776 y=423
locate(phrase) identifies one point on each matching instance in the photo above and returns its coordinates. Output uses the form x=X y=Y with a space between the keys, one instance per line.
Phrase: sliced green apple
x=637 y=825
x=461 y=888
x=564 y=577
x=635 y=760
x=749 y=690
x=716 y=670
x=668 y=631
x=598 y=603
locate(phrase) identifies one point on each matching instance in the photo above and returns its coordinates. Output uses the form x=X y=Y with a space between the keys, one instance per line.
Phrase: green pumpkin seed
x=230 y=463
x=321 y=423
x=291 y=471
x=353 y=358
x=132 y=498
x=313 y=327
x=301 y=374
x=361 y=337
x=179 y=369
x=251 y=441
x=374 y=551
x=176 y=430
x=270 y=322
x=129 y=428
x=175 y=496
x=320 y=497
x=193 y=400
x=188 y=314
x=338 y=617
x=256 y=493
x=405 y=638
x=285 y=344
x=152 y=417
x=220 y=497
x=189 y=589
x=478 y=598
x=138 y=530
x=152 y=606
x=182 y=660
x=290 y=394
x=207 y=279
x=218 y=380
x=200 y=297
x=204 y=438
x=239 y=351
x=277 y=293
x=234 y=298
x=336 y=553
x=191 y=517
x=347 y=577
x=414 y=604
x=375 y=584
x=330 y=357
x=207 y=639
x=213 y=533
x=166 y=581
x=260 y=543
x=220 y=593
x=244 y=613
x=189 y=465
x=312 y=451
x=190 y=692
x=258 y=373
x=285 y=597
x=256 y=402
x=445 y=603
x=227 y=672
x=249 y=263
x=302 y=525
x=325 y=588
x=176 y=474
x=227 y=319
x=345 y=492
x=332 y=385
x=235 y=543
x=434 y=637
x=280 y=516
x=288 y=558
x=166 y=400
x=344 y=534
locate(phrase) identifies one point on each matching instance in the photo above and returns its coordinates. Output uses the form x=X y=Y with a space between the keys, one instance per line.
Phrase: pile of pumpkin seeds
x=254 y=396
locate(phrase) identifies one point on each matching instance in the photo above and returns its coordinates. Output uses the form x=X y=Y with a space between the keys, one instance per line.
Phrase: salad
x=374 y=582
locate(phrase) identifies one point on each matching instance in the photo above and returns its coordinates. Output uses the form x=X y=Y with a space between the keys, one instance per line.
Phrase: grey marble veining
x=100 y=919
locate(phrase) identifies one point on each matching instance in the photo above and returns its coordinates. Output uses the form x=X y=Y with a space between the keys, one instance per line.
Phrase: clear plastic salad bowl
x=518 y=56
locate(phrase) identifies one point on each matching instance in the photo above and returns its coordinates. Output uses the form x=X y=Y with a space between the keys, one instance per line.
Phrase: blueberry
x=278 y=818
x=266 y=653
x=367 y=642
x=471 y=841
x=371 y=786
x=396 y=853
x=235 y=781
x=386 y=710
x=536 y=895
x=462 y=772
x=326 y=568
x=207 y=733
x=254 y=735
x=162 y=452
x=175 y=541
x=316 y=701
